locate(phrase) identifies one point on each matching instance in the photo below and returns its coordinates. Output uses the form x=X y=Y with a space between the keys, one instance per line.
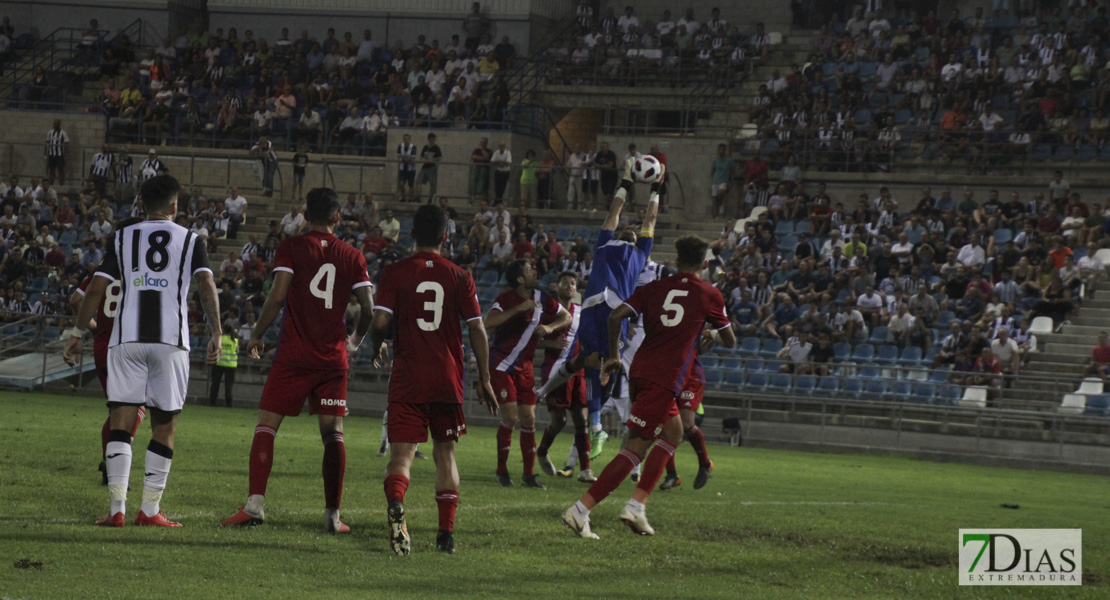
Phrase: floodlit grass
x=770 y=524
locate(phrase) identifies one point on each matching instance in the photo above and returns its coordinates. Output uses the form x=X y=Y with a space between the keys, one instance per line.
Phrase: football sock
x=697 y=440
x=448 y=501
x=557 y=378
x=138 y=421
x=159 y=457
x=334 y=465
x=580 y=510
x=671 y=469
x=545 y=443
x=385 y=426
x=117 y=461
x=104 y=431
x=595 y=421
x=614 y=474
x=504 y=444
x=528 y=449
x=635 y=507
x=395 y=487
x=572 y=456
x=582 y=446
x=653 y=466
x=262 y=459
x=636 y=470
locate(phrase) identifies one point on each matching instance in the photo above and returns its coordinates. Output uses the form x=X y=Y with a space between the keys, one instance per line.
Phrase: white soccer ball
x=647 y=169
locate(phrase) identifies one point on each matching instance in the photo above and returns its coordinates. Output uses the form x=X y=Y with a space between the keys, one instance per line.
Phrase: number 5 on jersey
x=671 y=306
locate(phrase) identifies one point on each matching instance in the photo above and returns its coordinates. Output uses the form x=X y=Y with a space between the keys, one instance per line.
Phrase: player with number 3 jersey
x=315 y=275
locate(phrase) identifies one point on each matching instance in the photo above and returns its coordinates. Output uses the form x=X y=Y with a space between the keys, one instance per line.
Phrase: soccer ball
x=647 y=169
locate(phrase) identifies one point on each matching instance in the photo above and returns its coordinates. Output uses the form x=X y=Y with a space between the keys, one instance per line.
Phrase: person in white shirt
x=972 y=255
x=500 y=229
x=236 y=206
x=1006 y=350
x=102 y=227
x=691 y=24
x=501 y=252
x=870 y=305
x=901 y=324
x=903 y=249
x=502 y=162
x=293 y=222
x=796 y=351
x=1091 y=269
x=627 y=20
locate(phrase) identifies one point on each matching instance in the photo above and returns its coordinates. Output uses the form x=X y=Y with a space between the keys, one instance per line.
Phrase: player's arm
x=270 y=310
x=210 y=303
x=365 y=300
x=614 y=216
x=496 y=317
x=379 y=328
x=479 y=343
x=622 y=312
x=75 y=300
x=562 y=319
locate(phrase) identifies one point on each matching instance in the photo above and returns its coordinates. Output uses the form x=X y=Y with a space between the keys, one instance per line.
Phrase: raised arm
x=613 y=218
x=497 y=317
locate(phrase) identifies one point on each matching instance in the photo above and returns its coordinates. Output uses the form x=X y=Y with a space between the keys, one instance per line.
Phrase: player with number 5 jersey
x=315 y=275
x=425 y=297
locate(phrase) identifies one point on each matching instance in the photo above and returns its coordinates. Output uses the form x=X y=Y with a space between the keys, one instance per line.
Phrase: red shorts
x=652 y=406
x=409 y=423
x=100 y=359
x=691 y=395
x=287 y=387
x=514 y=387
x=571 y=394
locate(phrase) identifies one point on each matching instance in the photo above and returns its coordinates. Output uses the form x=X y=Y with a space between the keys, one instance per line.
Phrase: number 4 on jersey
x=327 y=274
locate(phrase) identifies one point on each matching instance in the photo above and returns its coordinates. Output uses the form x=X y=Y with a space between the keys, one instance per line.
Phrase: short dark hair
x=691 y=251
x=320 y=206
x=515 y=271
x=572 y=274
x=429 y=223
x=159 y=192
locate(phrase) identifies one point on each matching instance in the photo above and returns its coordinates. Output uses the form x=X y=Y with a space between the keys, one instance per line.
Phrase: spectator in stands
x=475 y=25
x=390 y=226
x=1006 y=351
x=796 y=351
x=502 y=162
x=501 y=252
x=293 y=222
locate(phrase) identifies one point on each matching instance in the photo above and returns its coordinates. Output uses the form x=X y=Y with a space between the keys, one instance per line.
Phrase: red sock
x=614 y=474
x=582 y=443
x=697 y=440
x=262 y=459
x=138 y=421
x=504 y=444
x=653 y=466
x=448 y=501
x=104 y=437
x=528 y=449
x=671 y=469
x=334 y=466
x=395 y=487
x=548 y=439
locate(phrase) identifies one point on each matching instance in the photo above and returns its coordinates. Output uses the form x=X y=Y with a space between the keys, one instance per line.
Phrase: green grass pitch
x=770 y=524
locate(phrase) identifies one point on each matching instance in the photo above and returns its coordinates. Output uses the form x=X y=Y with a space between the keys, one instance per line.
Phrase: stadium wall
x=21 y=151
x=776 y=16
x=160 y=17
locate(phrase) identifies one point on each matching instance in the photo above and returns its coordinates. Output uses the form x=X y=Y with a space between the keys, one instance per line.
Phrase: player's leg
x=672 y=480
x=447 y=493
x=561 y=375
x=582 y=443
x=259 y=466
x=384 y=445
x=693 y=434
x=215 y=375
x=594 y=388
x=527 y=415
x=633 y=512
x=117 y=462
x=558 y=422
x=156 y=466
x=505 y=389
x=229 y=383
x=333 y=468
x=401 y=455
x=577 y=517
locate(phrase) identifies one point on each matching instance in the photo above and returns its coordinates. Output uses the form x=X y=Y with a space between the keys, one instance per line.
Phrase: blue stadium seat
x=772 y=366
x=754 y=365
x=781 y=381
x=586 y=232
x=924 y=392
x=863 y=353
x=902 y=116
x=1064 y=153
x=788 y=243
x=951 y=394
x=874 y=389
x=488 y=278
x=888 y=354
x=827 y=386
x=870 y=372
x=945 y=318
x=1040 y=153
x=749 y=345
x=731 y=364
x=564 y=233
x=756 y=381
x=708 y=361
x=911 y=355
x=784 y=227
x=938 y=375
x=803 y=226
x=805 y=384
x=771 y=347
x=1001 y=236
x=863 y=117
x=879 y=335
x=714 y=378
x=900 y=391
x=853 y=387
x=1086 y=153
x=841 y=351
x=1098 y=406
x=1104 y=154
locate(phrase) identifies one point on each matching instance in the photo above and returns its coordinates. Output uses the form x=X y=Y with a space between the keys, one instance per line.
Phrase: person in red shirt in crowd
x=1060 y=254
x=1050 y=223
x=423 y=298
x=1100 y=358
x=987 y=370
x=555 y=252
x=253 y=267
x=315 y=274
x=522 y=248
x=373 y=244
x=755 y=171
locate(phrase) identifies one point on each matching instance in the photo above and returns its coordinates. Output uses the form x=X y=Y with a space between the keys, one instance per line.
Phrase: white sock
x=254 y=504
x=596 y=427
x=157 y=469
x=331 y=515
x=636 y=469
x=558 y=378
x=635 y=506
x=572 y=457
x=581 y=511
x=117 y=461
x=621 y=193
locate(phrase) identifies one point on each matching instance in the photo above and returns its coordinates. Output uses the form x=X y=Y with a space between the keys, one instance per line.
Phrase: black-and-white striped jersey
x=125 y=170
x=154 y=262
x=102 y=164
x=151 y=167
x=55 y=142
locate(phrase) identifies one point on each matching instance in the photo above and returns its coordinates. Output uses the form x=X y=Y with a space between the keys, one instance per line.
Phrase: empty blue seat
x=1064 y=153
x=756 y=381
x=1097 y=406
x=788 y=243
x=1086 y=153
x=733 y=378
x=924 y=392
x=1040 y=152
x=730 y=364
x=879 y=335
x=887 y=354
x=585 y=232
x=713 y=378
x=841 y=351
x=828 y=386
x=784 y=227
x=803 y=227
x=951 y=394
x=771 y=347
x=945 y=318
x=874 y=389
x=1001 y=236
x=901 y=390
x=805 y=383
x=911 y=355
x=781 y=381
x=749 y=345
x=708 y=361
x=564 y=233
x=863 y=353
x=870 y=372
x=938 y=375
x=488 y=278
x=853 y=387
x=772 y=366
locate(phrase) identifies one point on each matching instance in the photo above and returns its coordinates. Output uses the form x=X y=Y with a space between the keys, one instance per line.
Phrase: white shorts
x=154 y=375
x=718 y=188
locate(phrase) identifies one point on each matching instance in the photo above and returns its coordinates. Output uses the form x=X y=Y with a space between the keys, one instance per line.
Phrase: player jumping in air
x=675 y=310
x=314 y=276
x=561 y=346
x=424 y=297
x=618 y=260
x=516 y=318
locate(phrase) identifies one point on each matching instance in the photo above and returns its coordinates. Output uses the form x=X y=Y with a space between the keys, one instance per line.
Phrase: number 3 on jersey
x=111 y=299
x=327 y=274
x=434 y=306
x=671 y=306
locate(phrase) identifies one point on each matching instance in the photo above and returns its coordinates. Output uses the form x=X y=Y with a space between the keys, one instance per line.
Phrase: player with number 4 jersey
x=315 y=275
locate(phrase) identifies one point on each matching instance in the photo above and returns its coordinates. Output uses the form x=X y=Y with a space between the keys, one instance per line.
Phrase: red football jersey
x=427 y=295
x=105 y=318
x=555 y=358
x=675 y=310
x=514 y=346
x=325 y=271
